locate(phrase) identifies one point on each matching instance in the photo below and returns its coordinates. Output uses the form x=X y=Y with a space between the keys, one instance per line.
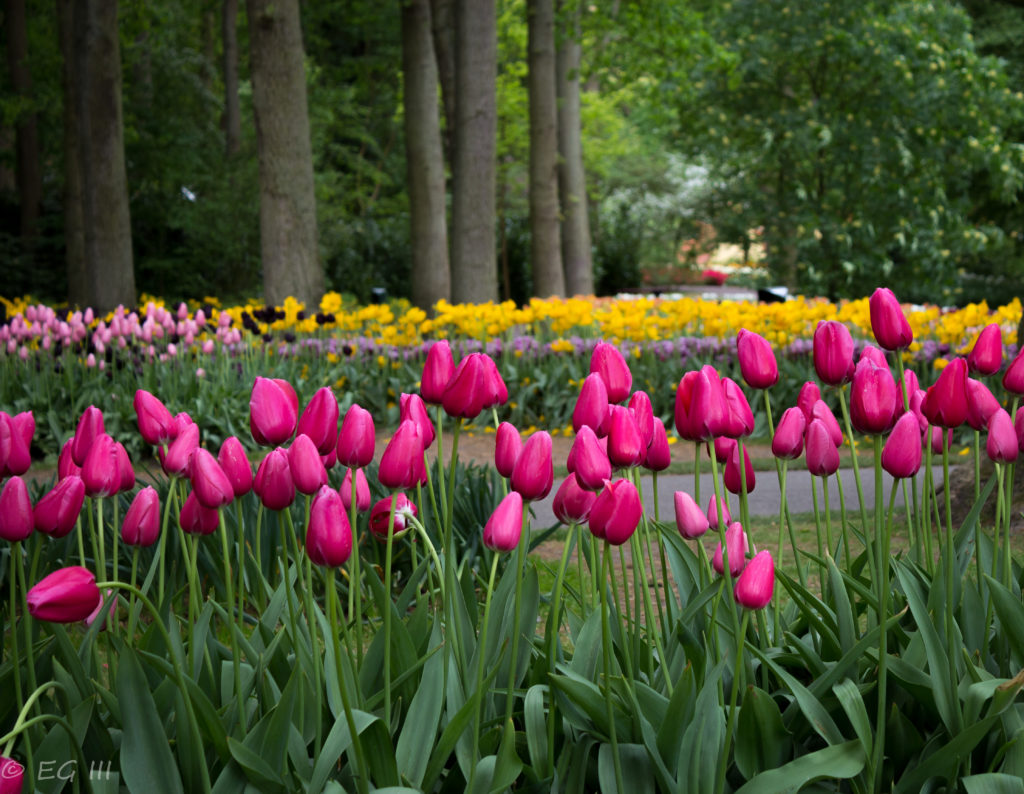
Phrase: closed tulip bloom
x=916 y=400
x=691 y=521
x=572 y=502
x=723 y=448
x=495 y=392
x=319 y=421
x=822 y=412
x=437 y=371
x=821 y=452
x=936 y=436
x=659 y=456
x=141 y=525
x=56 y=513
x=714 y=512
x=683 y=403
x=739 y=418
x=464 y=397
x=731 y=476
x=505 y=526
x=616 y=512
x=591 y=408
x=329 y=535
x=507 y=446
x=103 y=469
x=945 y=402
x=757 y=360
x=901 y=455
x=608 y=362
x=90 y=425
x=16 y=518
x=874 y=355
x=788 y=441
x=833 y=352
x=380 y=516
x=308 y=471
x=411 y=406
x=986 y=357
x=273 y=411
x=15 y=442
x=67 y=595
x=874 y=399
x=889 y=324
x=707 y=410
x=211 y=485
x=273 y=483
x=66 y=465
x=358 y=437
x=910 y=382
x=736 y=545
x=178 y=456
x=235 y=464
x=534 y=474
x=195 y=519
x=806 y=399
x=401 y=465
x=12 y=776
x=111 y=617
x=1018 y=426
x=156 y=424
x=640 y=406
x=362 y=490
x=1001 y=445
x=1013 y=378
x=626 y=447
x=589 y=461
x=330 y=459
x=755 y=586
x=981 y=404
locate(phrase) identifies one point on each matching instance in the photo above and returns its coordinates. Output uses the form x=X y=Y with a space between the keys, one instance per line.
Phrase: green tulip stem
x=666 y=577
x=132 y=617
x=929 y=502
x=15 y=564
x=726 y=570
x=79 y=534
x=853 y=455
x=312 y=624
x=481 y=653
x=161 y=554
x=630 y=626
x=554 y=629
x=521 y=549
x=115 y=531
x=951 y=648
x=696 y=472
x=744 y=510
x=257 y=543
x=723 y=761
x=101 y=560
x=236 y=655
x=240 y=547
x=977 y=465
x=387 y=611
x=817 y=528
x=828 y=516
x=606 y=650
x=884 y=546
x=355 y=583
x=421 y=530
x=1008 y=501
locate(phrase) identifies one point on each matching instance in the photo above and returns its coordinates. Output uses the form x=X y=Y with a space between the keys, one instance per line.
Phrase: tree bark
x=74 y=224
x=232 y=111
x=545 y=236
x=572 y=182
x=288 y=235
x=474 y=272
x=430 y=281
x=442 y=25
x=28 y=168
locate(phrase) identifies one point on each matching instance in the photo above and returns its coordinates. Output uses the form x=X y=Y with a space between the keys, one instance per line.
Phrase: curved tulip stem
x=421 y=530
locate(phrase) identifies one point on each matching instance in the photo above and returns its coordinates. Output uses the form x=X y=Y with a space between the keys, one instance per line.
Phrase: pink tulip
x=981 y=404
x=66 y=465
x=713 y=512
x=589 y=461
x=196 y=519
x=822 y=412
x=755 y=586
x=691 y=521
x=736 y=546
x=437 y=371
x=821 y=452
x=357 y=439
x=273 y=411
x=411 y=406
x=273 y=483
x=12 y=776
x=329 y=535
x=640 y=406
x=90 y=425
x=683 y=404
x=572 y=503
x=156 y=425
x=1013 y=378
x=937 y=437
x=15 y=443
x=901 y=455
x=178 y=456
x=626 y=447
x=16 y=519
x=507 y=446
x=308 y=471
x=874 y=400
x=141 y=526
x=533 y=475
x=874 y=355
x=788 y=441
x=1001 y=445
x=380 y=516
x=235 y=463
x=731 y=476
x=739 y=418
x=616 y=512
x=319 y=421
x=916 y=399
x=986 y=357
x=56 y=513
x=401 y=465
x=889 y=324
x=464 y=396
x=659 y=456
x=495 y=392
x=833 y=353
x=505 y=526
x=708 y=413
x=1018 y=427
x=107 y=469
x=591 y=408
x=910 y=382
x=330 y=459
x=757 y=360
x=945 y=402
x=608 y=362
x=211 y=485
x=111 y=618
x=362 y=490
x=809 y=395
x=67 y=595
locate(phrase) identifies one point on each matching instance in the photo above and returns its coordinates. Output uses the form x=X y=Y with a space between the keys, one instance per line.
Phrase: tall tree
x=430 y=279
x=572 y=181
x=232 y=112
x=442 y=25
x=545 y=237
x=28 y=169
x=74 y=223
x=288 y=234
x=474 y=272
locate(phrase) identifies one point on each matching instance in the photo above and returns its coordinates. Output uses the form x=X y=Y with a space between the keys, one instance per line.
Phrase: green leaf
x=416 y=741
x=146 y=760
x=535 y=723
x=762 y=741
x=636 y=769
x=256 y=769
x=993 y=783
x=853 y=704
x=507 y=766
x=704 y=739
x=840 y=761
x=338 y=740
x=1010 y=612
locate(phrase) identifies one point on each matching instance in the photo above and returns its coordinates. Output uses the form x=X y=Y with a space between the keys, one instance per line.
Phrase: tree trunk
x=545 y=236
x=424 y=159
x=28 y=169
x=442 y=25
x=232 y=112
x=74 y=224
x=474 y=272
x=288 y=237
x=572 y=180
x=109 y=277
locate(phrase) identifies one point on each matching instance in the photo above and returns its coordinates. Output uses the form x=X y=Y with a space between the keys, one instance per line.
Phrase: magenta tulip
x=235 y=463
x=937 y=436
x=708 y=413
x=945 y=402
x=111 y=608
x=723 y=447
x=12 y=776
x=437 y=371
x=141 y=526
x=495 y=392
x=308 y=471
x=874 y=400
x=329 y=535
x=362 y=490
x=411 y=406
x=981 y=404
x=757 y=360
x=833 y=352
x=1001 y=445
x=273 y=411
x=66 y=465
x=589 y=461
x=1013 y=378
x=808 y=396
x=683 y=403
x=56 y=513
x=691 y=521
x=713 y=512
x=67 y=595
x=739 y=418
x=1018 y=426
x=90 y=425
x=107 y=469
x=357 y=439
x=755 y=586
x=822 y=412
x=889 y=324
x=15 y=441
x=401 y=465
x=16 y=518
x=505 y=526
x=591 y=407
x=986 y=357
x=572 y=502
x=156 y=424
x=901 y=455
x=821 y=452
x=534 y=474
x=616 y=512
x=608 y=362
x=319 y=421
x=195 y=519
x=736 y=545
x=731 y=476
x=464 y=397
x=380 y=515
x=178 y=456
x=640 y=406
x=273 y=483
x=626 y=447
x=507 y=446
x=659 y=456
x=209 y=482
x=788 y=441
x=916 y=400
x=874 y=355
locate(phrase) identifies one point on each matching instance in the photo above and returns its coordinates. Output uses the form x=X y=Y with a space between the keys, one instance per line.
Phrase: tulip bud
x=1018 y=427
x=464 y=396
x=1001 y=445
x=195 y=519
x=736 y=547
x=589 y=461
x=534 y=473
x=357 y=439
x=833 y=353
x=319 y=421
x=66 y=465
x=822 y=412
x=90 y=425
x=874 y=399
x=608 y=362
x=901 y=455
x=910 y=382
x=713 y=513
x=640 y=406
x=809 y=395
x=572 y=503
x=1013 y=378
x=986 y=357
x=156 y=425
x=889 y=324
x=107 y=470
x=12 y=776
x=821 y=452
x=755 y=586
x=874 y=355
x=945 y=402
x=235 y=464
x=659 y=456
x=507 y=446
x=16 y=519
x=708 y=413
x=273 y=411
x=937 y=438
x=273 y=483
x=401 y=465
x=411 y=406
x=56 y=513
x=15 y=442
x=505 y=526
x=362 y=490
x=739 y=418
x=591 y=408
x=757 y=360
x=683 y=403
x=626 y=447
x=209 y=482
x=616 y=512
x=495 y=392
x=788 y=441
x=308 y=471
x=731 y=476
x=67 y=595
x=981 y=404
x=437 y=371
x=723 y=448
x=111 y=600
x=141 y=526
x=178 y=456
x=380 y=516
x=329 y=535
x=691 y=521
